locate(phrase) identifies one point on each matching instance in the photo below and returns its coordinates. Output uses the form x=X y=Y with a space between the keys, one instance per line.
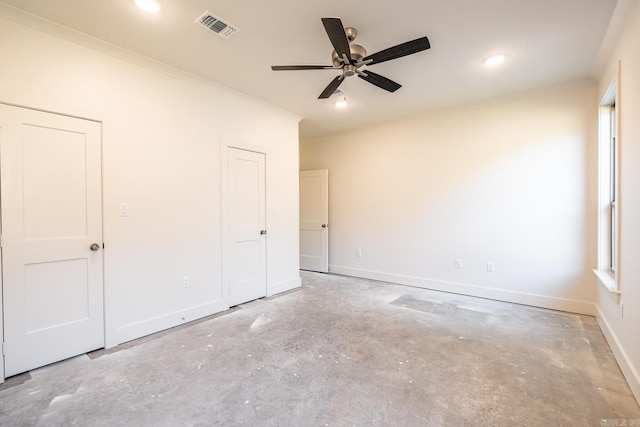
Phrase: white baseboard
x=283 y=286
x=573 y=306
x=150 y=326
x=626 y=366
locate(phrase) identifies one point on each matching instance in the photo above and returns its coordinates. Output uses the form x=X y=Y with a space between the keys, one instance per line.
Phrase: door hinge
x=1 y=241
x=4 y=348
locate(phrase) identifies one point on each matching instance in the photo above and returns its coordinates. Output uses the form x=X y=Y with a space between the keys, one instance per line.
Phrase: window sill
x=607 y=280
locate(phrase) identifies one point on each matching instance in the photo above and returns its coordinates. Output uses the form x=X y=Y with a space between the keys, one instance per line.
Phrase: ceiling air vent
x=217 y=25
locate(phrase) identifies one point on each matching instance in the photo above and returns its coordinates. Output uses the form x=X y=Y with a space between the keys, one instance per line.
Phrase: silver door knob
x=263 y=231
x=94 y=247
x=324 y=225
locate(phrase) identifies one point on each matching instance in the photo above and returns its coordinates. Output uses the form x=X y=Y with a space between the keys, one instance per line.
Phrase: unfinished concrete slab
x=341 y=352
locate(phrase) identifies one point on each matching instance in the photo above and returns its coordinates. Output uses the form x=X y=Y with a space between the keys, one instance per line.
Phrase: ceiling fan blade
x=337 y=35
x=380 y=81
x=301 y=67
x=399 y=51
x=328 y=91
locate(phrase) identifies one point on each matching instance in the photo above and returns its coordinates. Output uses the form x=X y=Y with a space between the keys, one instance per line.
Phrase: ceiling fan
x=350 y=57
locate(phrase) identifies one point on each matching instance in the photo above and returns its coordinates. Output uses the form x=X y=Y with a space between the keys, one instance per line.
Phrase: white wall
x=511 y=181
x=162 y=133
x=622 y=328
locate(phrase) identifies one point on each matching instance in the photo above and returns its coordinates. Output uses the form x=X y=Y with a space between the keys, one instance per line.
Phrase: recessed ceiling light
x=151 y=6
x=494 y=60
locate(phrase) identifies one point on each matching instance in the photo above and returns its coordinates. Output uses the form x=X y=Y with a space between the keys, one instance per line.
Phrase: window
x=608 y=202
x=613 y=188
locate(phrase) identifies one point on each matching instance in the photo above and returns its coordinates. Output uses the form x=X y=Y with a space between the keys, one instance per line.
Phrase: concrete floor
x=341 y=352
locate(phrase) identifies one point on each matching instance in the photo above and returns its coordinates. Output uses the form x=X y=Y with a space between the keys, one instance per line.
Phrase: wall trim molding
x=285 y=285
x=626 y=366
x=160 y=323
x=157 y=324
x=542 y=301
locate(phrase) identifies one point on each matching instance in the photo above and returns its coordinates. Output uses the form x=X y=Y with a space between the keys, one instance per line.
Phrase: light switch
x=124 y=209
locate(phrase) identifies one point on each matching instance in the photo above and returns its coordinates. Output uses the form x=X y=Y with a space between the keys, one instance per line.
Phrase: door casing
x=21 y=120
x=314 y=220
x=225 y=214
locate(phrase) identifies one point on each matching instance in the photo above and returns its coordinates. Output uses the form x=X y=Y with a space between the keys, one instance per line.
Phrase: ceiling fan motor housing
x=357 y=53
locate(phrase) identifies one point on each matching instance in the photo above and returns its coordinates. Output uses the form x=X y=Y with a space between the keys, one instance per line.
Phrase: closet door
x=51 y=203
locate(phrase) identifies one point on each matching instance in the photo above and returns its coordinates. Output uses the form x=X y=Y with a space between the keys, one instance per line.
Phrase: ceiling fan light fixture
x=494 y=60
x=151 y=6
x=341 y=103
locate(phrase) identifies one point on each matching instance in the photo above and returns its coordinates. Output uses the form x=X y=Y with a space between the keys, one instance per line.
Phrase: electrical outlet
x=186 y=282
x=458 y=263
x=491 y=267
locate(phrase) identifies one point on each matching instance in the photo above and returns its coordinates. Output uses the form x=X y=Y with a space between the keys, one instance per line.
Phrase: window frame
x=608 y=191
x=613 y=191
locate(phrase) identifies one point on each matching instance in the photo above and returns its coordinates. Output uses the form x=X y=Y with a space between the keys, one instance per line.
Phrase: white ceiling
x=546 y=42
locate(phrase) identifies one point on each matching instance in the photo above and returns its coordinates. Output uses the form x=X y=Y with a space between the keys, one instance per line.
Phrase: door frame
x=225 y=145
x=324 y=173
x=82 y=114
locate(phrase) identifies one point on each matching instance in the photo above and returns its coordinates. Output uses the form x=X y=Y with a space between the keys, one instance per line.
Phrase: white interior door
x=247 y=226
x=50 y=190
x=314 y=220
